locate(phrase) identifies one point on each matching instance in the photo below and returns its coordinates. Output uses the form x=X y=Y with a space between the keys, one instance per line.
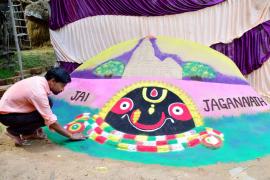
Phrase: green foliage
x=38 y=57
x=110 y=68
x=5 y=73
x=41 y=57
x=197 y=69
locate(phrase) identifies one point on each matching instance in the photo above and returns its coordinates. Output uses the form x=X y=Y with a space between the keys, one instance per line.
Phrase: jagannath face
x=150 y=111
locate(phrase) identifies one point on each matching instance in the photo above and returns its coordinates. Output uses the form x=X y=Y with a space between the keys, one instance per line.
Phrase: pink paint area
x=211 y=99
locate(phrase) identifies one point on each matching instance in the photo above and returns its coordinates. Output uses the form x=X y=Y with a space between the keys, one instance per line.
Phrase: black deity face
x=150 y=111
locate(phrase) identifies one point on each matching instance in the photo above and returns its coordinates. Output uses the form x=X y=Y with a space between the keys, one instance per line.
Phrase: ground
x=44 y=160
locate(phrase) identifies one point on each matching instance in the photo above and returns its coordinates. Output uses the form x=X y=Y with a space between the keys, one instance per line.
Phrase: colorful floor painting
x=163 y=101
x=246 y=138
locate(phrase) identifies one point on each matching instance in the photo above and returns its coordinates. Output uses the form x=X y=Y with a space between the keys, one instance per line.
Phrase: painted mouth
x=135 y=116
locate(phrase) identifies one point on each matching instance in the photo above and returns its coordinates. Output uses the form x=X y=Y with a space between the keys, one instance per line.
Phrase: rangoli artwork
x=164 y=101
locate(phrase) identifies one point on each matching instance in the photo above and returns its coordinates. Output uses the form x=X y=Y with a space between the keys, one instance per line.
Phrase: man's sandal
x=18 y=140
x=38 y=134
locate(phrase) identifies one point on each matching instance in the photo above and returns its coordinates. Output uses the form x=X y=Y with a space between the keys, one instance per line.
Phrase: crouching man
x=25 y=107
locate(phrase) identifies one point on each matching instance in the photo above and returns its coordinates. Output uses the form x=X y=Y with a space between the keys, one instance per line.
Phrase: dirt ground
x=44 y=160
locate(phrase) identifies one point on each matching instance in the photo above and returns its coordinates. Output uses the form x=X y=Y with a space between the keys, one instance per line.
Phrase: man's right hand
x=77 y=137
x=74 y=137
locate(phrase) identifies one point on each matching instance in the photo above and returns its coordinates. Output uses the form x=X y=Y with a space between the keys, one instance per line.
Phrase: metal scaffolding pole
x=19 y=55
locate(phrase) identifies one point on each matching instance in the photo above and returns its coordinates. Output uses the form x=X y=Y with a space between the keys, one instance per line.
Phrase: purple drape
x=251 y=50
x=67 y=11
x=68 y=66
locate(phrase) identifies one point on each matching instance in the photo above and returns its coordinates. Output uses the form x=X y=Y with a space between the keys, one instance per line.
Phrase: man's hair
x=58 y=74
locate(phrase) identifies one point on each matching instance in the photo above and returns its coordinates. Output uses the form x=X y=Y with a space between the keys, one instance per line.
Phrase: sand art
x=164 y=101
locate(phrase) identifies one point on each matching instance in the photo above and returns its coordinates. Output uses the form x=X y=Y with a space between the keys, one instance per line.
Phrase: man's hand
x=77 y=137
x=74 y=137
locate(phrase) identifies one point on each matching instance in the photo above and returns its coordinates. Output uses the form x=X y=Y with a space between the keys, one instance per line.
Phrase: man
x=25 y=107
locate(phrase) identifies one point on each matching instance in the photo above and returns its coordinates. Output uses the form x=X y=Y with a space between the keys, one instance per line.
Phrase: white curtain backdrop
x=260 y=80
x=83 y=39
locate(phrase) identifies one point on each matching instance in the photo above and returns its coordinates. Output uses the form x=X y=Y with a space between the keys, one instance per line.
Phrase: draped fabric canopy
x=83 y=39
x=248 y=52
x=251 y=50
x=67 y=11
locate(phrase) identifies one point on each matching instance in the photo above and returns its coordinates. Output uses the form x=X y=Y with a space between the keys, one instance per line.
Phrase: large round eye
x=179 y=111
x=123 y=106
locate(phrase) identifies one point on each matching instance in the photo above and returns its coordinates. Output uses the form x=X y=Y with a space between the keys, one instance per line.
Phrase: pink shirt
x=27 y=96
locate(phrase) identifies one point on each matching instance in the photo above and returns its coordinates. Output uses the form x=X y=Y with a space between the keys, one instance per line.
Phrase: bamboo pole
x=19 y=55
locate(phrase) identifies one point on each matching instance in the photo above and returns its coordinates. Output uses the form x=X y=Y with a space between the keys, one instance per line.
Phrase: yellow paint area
x=192 y=51
x=186 y=50
x=109 y=53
